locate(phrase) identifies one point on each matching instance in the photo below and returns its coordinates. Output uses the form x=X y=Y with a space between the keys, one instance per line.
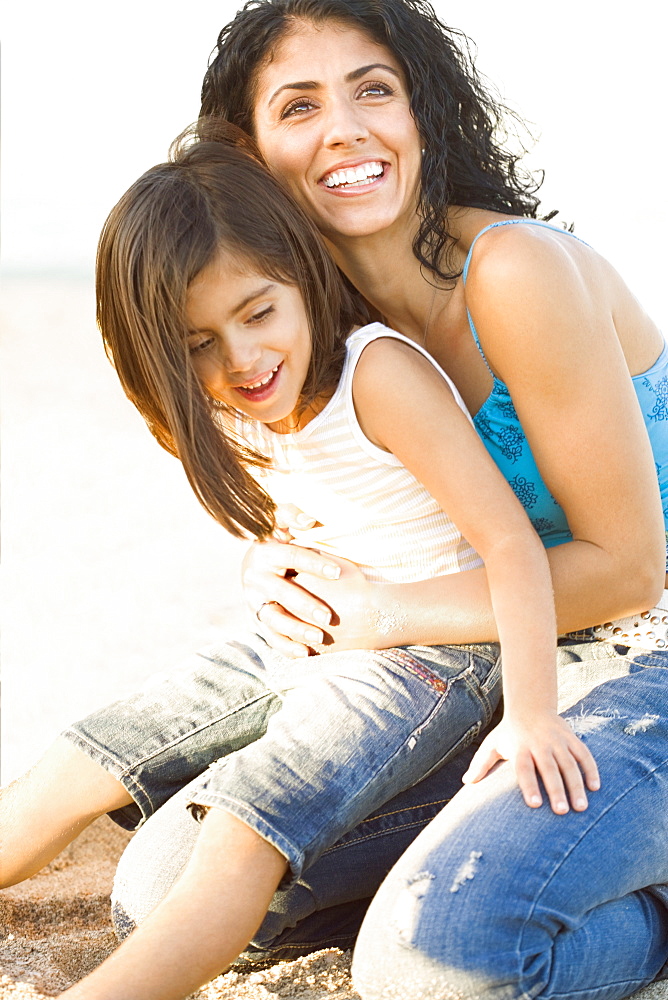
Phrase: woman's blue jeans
x=493 y=900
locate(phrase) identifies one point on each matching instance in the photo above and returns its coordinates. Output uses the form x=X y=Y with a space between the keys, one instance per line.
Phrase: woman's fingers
x=284 y=633
x=281 y=558
x=268 y=576
x=291 y=518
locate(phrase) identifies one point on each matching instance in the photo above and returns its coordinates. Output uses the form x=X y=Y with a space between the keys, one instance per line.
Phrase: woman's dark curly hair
x=463 y=127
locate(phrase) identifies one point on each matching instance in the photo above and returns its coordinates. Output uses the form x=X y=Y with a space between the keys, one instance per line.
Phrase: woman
x=381 y=129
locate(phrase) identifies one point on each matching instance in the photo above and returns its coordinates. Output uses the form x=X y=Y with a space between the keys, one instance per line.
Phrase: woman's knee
x=152 y=862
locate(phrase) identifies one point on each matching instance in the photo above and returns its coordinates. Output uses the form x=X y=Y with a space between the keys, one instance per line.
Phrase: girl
x=233 y=335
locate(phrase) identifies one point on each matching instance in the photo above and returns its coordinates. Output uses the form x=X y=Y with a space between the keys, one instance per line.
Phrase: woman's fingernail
x=304 y=521
x=322 y=616
x=594 y=785
x=580 y=804
x=331 y=572
x=535 y=800
x=561 y=807
x=313 y=635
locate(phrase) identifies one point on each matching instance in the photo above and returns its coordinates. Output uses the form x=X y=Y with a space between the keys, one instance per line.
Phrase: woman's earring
x=423 y=150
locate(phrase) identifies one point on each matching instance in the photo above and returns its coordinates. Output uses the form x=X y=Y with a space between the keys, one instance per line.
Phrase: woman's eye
x=258 y=317
x=375 y=90
x=298 y=107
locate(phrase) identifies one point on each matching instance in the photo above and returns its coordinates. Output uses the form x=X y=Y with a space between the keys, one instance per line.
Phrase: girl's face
x=249 y=341
x=333 y=121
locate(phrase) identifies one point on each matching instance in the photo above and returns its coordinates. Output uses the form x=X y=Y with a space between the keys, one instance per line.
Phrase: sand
x=56 y=927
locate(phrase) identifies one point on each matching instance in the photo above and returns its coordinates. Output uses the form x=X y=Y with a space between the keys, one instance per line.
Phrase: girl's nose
x=241 y=353
x=344 y=125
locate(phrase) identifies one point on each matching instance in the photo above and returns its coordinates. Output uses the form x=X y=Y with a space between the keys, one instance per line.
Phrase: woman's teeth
x=366 y=173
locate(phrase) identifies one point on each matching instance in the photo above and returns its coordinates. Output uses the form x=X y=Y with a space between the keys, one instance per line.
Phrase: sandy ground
x=56 y=927
x=110 y=571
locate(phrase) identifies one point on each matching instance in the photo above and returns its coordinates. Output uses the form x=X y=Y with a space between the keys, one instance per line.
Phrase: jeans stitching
x=311 y=945
x=404 y=659
x=423 y=805
x=197 y=729
x=380 y=833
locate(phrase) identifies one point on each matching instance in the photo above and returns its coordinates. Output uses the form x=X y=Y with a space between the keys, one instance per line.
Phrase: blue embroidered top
x=498 y=425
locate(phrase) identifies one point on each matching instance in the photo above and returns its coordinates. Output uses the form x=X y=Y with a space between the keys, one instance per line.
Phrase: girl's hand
x=546 y=746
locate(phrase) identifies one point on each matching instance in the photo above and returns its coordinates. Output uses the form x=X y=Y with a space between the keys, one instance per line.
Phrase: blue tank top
x=499 y=427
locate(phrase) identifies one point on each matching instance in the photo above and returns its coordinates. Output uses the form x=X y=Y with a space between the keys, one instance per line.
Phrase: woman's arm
x=547 y=327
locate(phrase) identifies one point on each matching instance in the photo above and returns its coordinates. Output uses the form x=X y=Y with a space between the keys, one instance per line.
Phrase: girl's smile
x=250 y=342
x=333 y=120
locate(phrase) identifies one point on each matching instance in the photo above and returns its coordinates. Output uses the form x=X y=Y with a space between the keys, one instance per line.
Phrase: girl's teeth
x=256 y=385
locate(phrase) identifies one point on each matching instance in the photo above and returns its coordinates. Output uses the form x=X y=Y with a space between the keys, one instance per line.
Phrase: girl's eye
x=259 y=317
x=297 y=107
x=201 y=346
x=375 y=90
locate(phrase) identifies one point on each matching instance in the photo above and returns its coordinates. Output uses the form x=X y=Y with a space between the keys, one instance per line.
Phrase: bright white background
x=110 y=567
x=95 y=92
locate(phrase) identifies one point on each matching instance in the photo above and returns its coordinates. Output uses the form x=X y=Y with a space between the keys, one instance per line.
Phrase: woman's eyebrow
x=349 y=78
x=363 y=70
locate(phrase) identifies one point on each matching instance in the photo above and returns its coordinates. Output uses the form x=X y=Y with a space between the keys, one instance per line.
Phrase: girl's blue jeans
x=493 y=900
x=300 y=750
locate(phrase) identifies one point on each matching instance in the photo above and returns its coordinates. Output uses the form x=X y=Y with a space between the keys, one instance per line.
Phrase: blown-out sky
x=93 y=94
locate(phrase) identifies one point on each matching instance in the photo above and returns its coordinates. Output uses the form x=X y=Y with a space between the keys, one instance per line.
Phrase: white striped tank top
x=369 y=507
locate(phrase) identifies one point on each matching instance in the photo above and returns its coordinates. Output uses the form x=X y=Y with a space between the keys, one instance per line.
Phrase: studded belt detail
x=647 y=630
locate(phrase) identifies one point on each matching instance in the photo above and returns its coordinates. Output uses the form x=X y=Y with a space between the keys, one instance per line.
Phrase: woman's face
x=333 y=121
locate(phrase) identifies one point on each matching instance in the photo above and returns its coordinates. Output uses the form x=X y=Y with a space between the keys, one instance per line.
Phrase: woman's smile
x=333 y=121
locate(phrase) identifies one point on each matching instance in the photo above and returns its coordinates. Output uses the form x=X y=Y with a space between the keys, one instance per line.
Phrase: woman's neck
x=385 y=271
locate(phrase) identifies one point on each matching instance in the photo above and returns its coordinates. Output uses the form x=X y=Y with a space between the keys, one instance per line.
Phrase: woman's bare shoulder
x=546 y=275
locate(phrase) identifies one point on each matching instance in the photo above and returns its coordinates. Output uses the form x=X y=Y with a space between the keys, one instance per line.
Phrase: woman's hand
x=546 y=746
x=307 y=602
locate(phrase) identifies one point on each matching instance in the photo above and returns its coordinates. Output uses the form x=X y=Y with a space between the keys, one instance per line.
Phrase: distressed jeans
x=299 y=750
x=495 y=901
x=588 y=925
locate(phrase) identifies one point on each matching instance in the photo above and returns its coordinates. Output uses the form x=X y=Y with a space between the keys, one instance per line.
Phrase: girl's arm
x=546 y=325
x=466 y=483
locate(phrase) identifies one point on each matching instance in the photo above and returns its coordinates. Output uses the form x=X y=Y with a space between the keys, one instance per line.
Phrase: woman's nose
x=344 y=125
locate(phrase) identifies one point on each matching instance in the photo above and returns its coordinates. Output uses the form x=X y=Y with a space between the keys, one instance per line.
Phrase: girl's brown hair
x=213 y=194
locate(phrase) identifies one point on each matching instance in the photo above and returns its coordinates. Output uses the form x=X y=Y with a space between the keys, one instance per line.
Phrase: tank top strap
x=467 y=262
